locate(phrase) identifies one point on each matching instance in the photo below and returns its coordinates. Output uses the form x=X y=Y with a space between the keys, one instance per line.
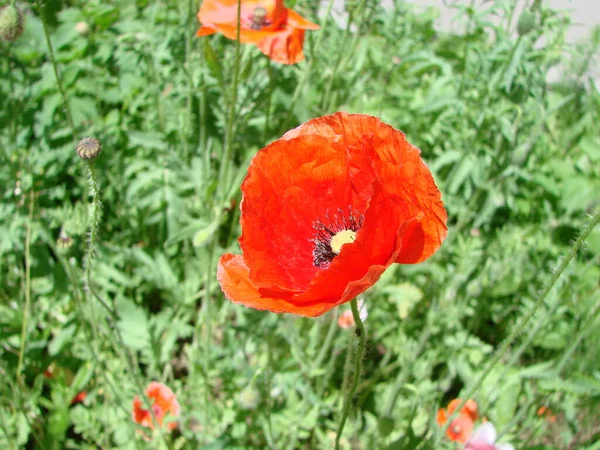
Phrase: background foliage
x=517 y=160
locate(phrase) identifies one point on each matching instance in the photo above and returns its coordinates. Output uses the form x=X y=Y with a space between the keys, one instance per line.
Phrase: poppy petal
x=290 y=185
x=402 y=171
x=297 y=21
x=206 y=31
x=234 y=276
x=360 y=264
x=283 y=46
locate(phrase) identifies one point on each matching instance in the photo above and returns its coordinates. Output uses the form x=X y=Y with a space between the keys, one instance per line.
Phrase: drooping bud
x=88 y=148
x=11 y=23
x=526 y=23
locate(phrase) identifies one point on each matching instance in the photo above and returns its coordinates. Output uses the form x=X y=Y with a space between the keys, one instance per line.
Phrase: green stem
x=269 y=96
x=27 y=287
x=328 y=340
x=360 y=333
x=89 y=257
x=228 y=144
x=57 y=74
x=517 y=330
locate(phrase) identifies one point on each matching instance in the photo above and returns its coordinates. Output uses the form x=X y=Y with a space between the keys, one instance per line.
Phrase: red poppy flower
x=547 y=413
x=163 y=402
x=461 y=427
x=277 y=31
x=79 y=398
x=325 y=210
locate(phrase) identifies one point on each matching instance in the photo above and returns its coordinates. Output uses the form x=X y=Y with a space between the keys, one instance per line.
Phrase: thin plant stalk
x=517 y=330
x=228 y=144
x=89 y=257
x=222 y=176
x=59 y=83
x=588 y=326
x=360 y=333
x=269 y=97
x=27 y=287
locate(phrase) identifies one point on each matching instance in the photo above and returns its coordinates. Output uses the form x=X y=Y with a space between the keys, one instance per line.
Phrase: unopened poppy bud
x=249 y=398
x=11 y=23
x=526 y=23
x=82 y=28
x=88 y=148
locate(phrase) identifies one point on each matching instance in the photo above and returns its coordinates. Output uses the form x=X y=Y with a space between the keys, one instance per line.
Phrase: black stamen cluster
x=323 y=254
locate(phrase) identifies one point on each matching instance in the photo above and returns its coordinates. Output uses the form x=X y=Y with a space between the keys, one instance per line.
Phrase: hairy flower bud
x=526 y=23
x=88 y=148
x=11 y=23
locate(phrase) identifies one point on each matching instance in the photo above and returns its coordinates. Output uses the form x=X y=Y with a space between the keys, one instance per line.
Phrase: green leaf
x=133 y=324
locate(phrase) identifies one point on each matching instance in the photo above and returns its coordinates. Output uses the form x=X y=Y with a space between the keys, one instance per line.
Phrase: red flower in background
x=325 y=210
x=79 y=398
x=164 y=403
x=277 y=31
x=461 y=427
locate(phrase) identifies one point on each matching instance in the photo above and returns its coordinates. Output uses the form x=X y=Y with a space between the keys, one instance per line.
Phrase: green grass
x=507 y=311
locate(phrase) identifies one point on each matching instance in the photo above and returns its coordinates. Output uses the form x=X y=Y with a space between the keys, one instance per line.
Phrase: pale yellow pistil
x=341 y=238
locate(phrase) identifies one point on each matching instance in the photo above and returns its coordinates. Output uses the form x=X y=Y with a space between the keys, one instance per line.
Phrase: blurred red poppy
x=461 y=427
x=277 y=31
x=164 y=403
x=547 y=413
x=325 y=210
x=79 y=398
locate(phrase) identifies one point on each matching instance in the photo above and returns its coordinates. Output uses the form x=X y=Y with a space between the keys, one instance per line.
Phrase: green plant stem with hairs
x=518 y=329
x=27 y=287
x=360 y=333
x=228 y=142
x=222 y=191
x=89 y=259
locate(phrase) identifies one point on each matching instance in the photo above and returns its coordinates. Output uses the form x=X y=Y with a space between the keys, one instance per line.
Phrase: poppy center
x=341 y=238
x=258 y=18
x=333 y=233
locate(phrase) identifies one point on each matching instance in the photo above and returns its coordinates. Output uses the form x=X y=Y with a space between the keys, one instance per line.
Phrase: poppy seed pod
x=526 y=23
x=11 y=23
x=88 y=148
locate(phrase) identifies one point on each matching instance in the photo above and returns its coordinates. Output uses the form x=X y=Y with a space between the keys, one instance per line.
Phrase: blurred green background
x=517 y=159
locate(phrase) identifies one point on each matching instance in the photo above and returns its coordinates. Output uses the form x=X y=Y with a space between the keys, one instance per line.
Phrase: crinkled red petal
x=290 y=185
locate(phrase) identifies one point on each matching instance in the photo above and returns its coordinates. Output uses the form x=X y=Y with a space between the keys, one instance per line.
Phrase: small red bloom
x=79 y=398
x=346 y=319
x=461 y=427
x=325 y=210
x=164 y=403
x=547 y=413
x=277 y=31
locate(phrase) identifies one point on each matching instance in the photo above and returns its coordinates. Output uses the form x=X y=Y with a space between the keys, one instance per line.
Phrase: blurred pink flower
x=346 y=320
x=484 y=438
